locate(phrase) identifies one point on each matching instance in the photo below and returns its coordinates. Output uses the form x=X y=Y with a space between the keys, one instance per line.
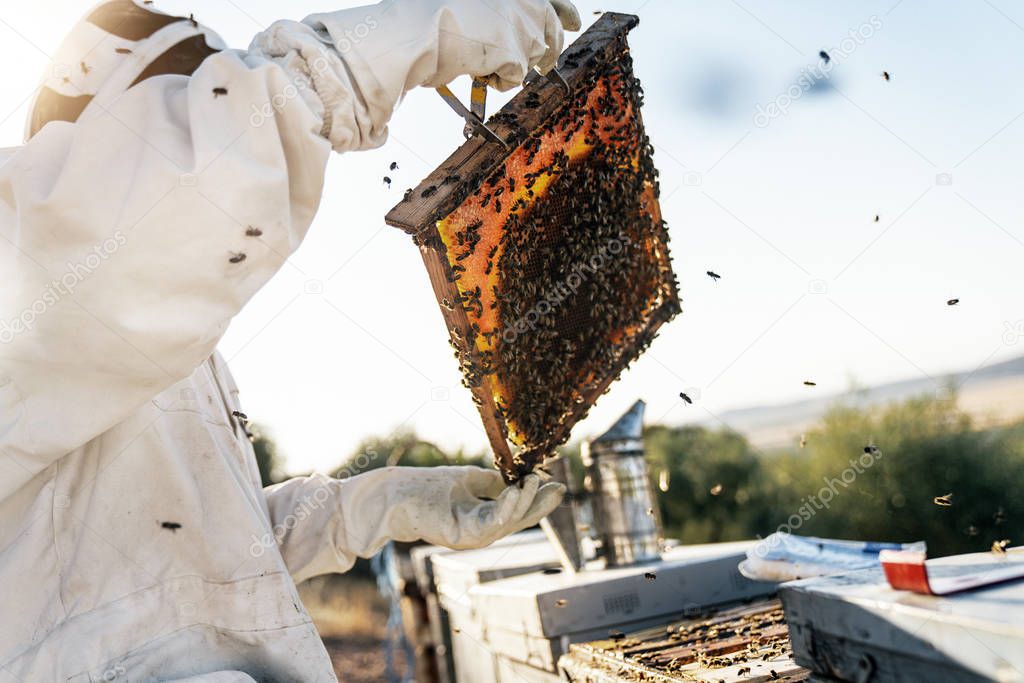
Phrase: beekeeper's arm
x=323 y=524
x=129 y=239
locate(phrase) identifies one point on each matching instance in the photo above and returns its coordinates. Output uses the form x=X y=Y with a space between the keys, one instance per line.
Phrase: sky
x=773 y=185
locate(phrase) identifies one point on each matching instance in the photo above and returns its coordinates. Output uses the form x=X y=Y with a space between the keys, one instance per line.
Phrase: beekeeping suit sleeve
x=130 y=238
x=390 y=48
x=322 y=524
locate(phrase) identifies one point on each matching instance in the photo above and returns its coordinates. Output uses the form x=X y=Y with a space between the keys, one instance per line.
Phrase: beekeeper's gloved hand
x=361 y=61
x=322 y=524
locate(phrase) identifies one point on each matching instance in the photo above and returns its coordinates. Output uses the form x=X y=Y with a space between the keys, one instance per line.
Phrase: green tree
x=919 y=450
x=713 y=477
x=268 y=458
x=402 y=448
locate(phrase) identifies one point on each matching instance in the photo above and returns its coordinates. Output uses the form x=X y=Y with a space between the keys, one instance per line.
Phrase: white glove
x=322 y=525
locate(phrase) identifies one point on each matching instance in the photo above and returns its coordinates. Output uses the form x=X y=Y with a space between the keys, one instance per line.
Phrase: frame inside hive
x=500 y=228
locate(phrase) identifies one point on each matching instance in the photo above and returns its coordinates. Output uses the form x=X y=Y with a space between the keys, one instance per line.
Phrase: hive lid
x=549 y=257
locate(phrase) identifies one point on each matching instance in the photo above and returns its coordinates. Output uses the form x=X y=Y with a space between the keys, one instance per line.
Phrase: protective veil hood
x=116 y=45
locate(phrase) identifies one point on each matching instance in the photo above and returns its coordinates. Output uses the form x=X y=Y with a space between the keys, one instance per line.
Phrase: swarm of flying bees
x=1000 y=516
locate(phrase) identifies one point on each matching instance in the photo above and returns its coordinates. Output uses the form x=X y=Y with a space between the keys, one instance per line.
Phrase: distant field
x=992 y=395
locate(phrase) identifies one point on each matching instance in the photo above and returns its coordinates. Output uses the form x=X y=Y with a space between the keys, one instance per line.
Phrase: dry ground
x=351 y=617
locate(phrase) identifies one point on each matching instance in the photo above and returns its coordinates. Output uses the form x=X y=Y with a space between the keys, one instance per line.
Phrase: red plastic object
x=907 y=570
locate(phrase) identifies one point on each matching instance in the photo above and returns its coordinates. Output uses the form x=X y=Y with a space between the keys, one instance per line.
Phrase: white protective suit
x=165 y=181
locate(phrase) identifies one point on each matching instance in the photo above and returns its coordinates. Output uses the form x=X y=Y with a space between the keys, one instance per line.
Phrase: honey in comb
x=557 y=257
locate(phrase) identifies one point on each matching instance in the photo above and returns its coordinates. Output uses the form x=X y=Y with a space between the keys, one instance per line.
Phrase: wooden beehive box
x=549 y=258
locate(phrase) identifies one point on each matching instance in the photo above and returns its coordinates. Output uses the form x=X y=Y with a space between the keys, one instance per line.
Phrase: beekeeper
x=165 y=179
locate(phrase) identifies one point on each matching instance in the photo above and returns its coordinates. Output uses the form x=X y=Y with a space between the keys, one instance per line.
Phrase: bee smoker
x=617 y=499
x=624 y=507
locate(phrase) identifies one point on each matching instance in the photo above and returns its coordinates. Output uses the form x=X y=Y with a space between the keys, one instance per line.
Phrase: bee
x=714 y=276
x=716 y=489
x=170 y=526
x=803 y=440
x=999 y=547
x=809 y=383
x=877 y=218
x=407 y=196
x=944 y=501
x=870 y=450
x=393 y=166
x=886 y=76
x=561 y=602
x=774 y=674
x=122 y=51
x=429 y=192
x=217 y=92
x=237 y=258
x=685 y=398
x=387 y=181
x=825 y=57
x=253 y=232
x=240 y=416
x=953 y=302
x=650 y=576
x=193 y=20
